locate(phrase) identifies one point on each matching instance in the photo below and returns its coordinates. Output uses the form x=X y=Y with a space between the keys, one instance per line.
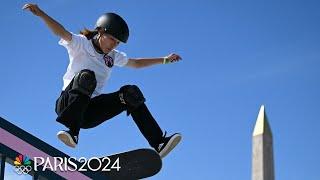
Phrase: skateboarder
x=92 y=56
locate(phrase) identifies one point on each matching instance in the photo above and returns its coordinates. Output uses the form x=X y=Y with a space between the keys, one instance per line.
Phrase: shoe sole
x=66 y=139
x=174 y=141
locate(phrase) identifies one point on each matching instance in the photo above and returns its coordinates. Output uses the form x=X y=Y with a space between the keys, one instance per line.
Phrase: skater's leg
x=106 y=106
x=75 y=100
x=72 y=104
x=134 y=100
x=102 y=108
x=147 y=125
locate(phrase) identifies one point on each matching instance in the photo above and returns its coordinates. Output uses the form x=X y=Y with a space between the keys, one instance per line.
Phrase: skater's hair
x=89 y=34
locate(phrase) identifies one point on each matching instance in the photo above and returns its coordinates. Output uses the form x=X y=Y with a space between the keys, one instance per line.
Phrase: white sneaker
x=67 y=138
x=169 y=144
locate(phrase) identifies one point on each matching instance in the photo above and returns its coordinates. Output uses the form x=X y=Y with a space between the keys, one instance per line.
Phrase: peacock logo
x=22 y=164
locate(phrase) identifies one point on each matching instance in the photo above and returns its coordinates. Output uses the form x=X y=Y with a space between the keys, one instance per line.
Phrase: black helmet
x=114 y=25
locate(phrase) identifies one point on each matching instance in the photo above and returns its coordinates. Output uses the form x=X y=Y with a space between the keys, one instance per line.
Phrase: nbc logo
x=22 y=164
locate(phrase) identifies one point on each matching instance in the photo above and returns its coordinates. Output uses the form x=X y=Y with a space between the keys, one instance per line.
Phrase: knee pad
x=131 y=96
x=85 y=82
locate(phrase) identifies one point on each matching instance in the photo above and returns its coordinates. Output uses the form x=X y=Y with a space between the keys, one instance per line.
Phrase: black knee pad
x=131 y=96
x=85 y=82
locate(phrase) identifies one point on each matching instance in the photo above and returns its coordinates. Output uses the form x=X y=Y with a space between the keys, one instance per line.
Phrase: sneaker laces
x=163 y=140
x=165 y=134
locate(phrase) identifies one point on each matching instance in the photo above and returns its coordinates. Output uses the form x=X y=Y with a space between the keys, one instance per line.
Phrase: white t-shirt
x=82 y=55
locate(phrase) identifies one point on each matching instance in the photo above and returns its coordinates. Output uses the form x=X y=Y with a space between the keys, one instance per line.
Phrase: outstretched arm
x=53 y=25
x=145 y=62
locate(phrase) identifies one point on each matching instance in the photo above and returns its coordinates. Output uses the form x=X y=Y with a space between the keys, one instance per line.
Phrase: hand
x=172 y=58
x=34 y=9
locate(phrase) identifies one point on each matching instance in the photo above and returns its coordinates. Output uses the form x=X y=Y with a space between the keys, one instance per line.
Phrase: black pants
x=77 y=111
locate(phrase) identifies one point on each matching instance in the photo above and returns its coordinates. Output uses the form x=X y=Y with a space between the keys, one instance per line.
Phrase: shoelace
x=163 y=140
x=165 y=134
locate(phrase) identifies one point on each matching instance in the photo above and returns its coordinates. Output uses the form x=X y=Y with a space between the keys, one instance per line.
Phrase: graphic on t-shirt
x=108 y=60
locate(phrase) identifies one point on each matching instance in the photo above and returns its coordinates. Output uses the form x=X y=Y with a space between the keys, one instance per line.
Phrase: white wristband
x=165 y=60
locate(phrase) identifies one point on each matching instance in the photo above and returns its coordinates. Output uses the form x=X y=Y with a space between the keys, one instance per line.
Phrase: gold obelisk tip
x=262 y=124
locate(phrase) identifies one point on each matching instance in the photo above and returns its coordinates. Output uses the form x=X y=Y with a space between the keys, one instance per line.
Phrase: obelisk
x=262 y=149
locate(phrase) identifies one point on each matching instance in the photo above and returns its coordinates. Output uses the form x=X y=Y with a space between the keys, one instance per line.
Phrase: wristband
x=165 y=60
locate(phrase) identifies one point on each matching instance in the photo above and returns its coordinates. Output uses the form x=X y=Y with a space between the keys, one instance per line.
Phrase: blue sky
x=236 y=55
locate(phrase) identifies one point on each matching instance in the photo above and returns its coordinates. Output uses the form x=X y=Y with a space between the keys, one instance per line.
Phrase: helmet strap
x=95 y=42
